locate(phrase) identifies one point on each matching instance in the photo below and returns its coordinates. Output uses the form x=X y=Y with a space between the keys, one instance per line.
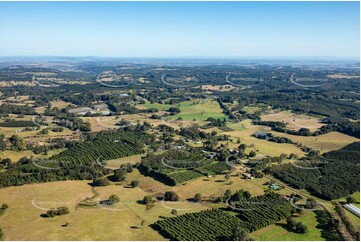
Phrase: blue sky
x=180 y=29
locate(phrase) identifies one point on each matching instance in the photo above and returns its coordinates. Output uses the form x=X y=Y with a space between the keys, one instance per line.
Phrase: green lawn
x=354 y=219
x=251 y=109
x=160 y=107
x=200 y=110
x=278 y=232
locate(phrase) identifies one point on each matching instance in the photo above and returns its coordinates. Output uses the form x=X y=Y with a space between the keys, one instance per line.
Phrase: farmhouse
x=80 y=111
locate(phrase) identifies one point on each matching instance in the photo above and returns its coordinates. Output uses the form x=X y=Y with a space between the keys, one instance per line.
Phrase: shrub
x=113 y=199
x=57 y=212
x=171 y=196
x=198 y=197
x=101 y=182
x=134 y=183
x=147 y=200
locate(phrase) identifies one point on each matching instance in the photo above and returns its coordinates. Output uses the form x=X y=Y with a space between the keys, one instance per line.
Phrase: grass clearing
x=15 y=155
x=133 y=159
x=244 y=131
x=279 y=232
x=323 y=143
x=294 y=121
x=60 y=104
x=200 y=110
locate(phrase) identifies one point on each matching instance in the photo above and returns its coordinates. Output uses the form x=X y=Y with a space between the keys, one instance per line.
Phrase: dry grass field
x=294 y=121
x=133 y=159
x=277 y=231
x=28 y=202
x=342 y=76
x=323 y=143
x=60 y=104
x=222 y=88
x=244 y=131
x=15 y=155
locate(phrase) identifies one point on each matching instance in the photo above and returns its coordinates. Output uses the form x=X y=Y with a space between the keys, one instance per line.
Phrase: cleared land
x=199 y=110
x=244 y=131
x=222 y=88
x=323 y=143
x=344 y=76
x=121 y=223
x=279 y=232
x=294 y=121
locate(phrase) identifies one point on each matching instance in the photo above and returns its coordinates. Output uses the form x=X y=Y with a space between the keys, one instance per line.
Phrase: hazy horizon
x=180 y=29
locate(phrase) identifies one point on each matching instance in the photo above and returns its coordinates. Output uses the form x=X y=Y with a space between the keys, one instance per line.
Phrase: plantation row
x=253 y=214
x=262 y=211
x=174 y=159
x=215 y=168
x=166 y=167
x=28 y=174
x=18 y=123
x=103 y=147
x=336 y=176
x=205 y=225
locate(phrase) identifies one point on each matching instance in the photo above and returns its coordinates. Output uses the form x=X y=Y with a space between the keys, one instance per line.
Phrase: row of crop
x=205 y=225
x=261 y=211
x=18 y=123
x=215 y=168
x=186 y=175
x=106 y=147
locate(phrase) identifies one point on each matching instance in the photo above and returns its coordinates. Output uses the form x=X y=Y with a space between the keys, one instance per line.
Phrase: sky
x=180 y=29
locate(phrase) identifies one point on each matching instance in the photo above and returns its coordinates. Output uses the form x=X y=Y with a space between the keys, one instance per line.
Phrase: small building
x=248 y=175
x=80 y=111
x=352 y=209
x=286 y=196
x=274 y=186
x=101 y=107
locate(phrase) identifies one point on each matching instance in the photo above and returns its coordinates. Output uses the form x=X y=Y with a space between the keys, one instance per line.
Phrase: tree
x=127 y=166
x=239 y=234
x=17 y=142
x=238 y=196
x=147 y=200
x=134 y=183
x=101 y=182
x=120 y=175
x=171 y=196
x=247 y=194
x=198 y=197
x=174 y=212
x=301 y=228
x=4 y=206
x=350 y=199
x=252 y=153
x=291 y=224
x=227 y=194
x=57 y=212
x=310 y=203
x=113 y=199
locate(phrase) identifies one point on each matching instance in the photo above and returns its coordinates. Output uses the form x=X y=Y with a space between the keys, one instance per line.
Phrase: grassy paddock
x=323 y=143
x=279 y=232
